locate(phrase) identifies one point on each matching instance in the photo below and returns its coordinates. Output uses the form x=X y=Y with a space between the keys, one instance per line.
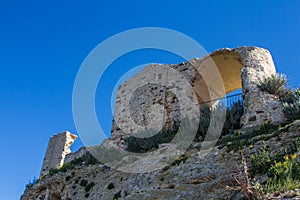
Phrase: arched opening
x=239 y=68
x=219 y=91
x=229 y=65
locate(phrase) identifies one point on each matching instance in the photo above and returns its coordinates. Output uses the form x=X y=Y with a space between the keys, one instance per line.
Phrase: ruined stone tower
x=159 y=97
x=58 y=147
x=139 y=98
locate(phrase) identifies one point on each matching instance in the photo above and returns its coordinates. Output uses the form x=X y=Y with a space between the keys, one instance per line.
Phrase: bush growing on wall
x=275 y=84
x=291 y=105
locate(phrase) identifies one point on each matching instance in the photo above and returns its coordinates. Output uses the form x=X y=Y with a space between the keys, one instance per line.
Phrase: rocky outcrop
x=161 y=106
x=188 y=177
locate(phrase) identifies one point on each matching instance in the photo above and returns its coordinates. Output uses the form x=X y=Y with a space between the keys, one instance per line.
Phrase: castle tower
x=140 y=99
x=58 y=147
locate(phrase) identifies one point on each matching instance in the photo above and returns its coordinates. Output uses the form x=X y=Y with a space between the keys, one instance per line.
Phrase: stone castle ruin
x=139 y=105
x=58 y=147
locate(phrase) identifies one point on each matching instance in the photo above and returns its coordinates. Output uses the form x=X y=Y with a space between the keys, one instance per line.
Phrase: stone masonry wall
x=160 y=96
x=72 y=156
x=151 y=100
x=58 y=147
x=259 y=107
x=141 y=99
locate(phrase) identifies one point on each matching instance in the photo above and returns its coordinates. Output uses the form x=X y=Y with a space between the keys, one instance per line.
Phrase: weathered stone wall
x=161 y=95
x=259 y=107
x=72 y=156
x=157 y=97
x=58 y=147
x=148 y=100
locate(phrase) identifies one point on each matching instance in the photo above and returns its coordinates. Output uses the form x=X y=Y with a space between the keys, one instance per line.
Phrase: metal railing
x=227 y=100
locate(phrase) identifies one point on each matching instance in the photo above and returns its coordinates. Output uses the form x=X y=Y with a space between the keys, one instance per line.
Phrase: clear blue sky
x=43 y=43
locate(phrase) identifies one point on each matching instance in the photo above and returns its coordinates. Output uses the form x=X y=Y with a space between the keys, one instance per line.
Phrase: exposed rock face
x=58 y=147
x=194 y=178
x=161 y=97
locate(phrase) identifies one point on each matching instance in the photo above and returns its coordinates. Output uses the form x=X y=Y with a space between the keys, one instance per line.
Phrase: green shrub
x=180 y=159
x=282 y=168
x=233 y=118
x=83 y=183
x=89 y=186
x=262 y=161
x=291 y=105
x=110 y=186
x=235 y=141
x=142 y=145
x=68 y=178
x=66 y=167
x=117 y=195
x=295 y=147
x=275 y=84
x=285 y=175
x=33 y=182
x=205 y=113
x=53 y=171
x=87 y=158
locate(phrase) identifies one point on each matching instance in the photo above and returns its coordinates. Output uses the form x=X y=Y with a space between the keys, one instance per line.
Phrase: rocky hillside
x=241 y=166
x=257 y=156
